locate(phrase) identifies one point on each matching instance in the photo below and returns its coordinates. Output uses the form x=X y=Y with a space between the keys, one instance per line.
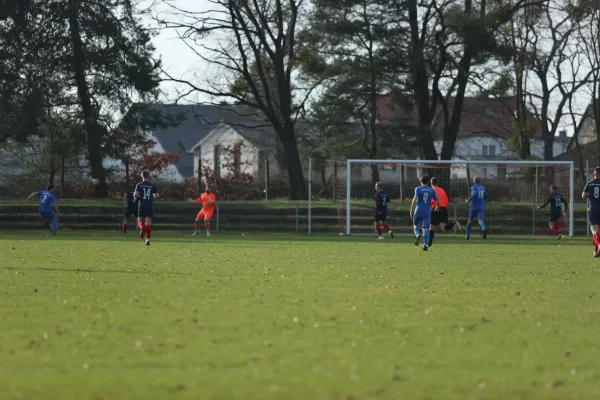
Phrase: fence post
x=297 y=218
x=217 y=217
x=533 y=219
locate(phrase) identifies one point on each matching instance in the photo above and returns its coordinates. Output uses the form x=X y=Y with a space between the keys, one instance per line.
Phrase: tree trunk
x=62 y=176
x=92 y=129
x=548 y=146
x=51 y=173
x=126 y=162
x=298 y=190
x=374 y=173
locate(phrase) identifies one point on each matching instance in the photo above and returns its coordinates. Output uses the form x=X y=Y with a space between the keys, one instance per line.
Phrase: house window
x=489 y=150
x=217 y=161
x=237 y=161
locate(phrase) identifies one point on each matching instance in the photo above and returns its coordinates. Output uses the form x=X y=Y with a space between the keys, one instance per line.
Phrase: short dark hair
x=425 y=180
x=554 y=187
x=379 y=185
x=476 y=179
x=434 y=181
x=50 y=186
x=597 y=170
x=146 y=175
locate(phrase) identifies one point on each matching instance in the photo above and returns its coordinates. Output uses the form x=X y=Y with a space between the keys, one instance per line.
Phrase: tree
x=254 y=44
x=100 y=50
x=555 y=63
x=350 y=47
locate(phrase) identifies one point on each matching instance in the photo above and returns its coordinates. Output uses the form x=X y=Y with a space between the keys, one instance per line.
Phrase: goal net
x=515 y=188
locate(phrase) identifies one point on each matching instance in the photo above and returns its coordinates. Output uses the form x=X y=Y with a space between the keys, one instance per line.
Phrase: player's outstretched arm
x=548 y=200
x=31 y=195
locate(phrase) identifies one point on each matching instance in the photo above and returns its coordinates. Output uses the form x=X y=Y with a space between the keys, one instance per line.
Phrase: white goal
x=516 y=189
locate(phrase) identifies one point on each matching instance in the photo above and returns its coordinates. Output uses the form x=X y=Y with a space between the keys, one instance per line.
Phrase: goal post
x=516 y=189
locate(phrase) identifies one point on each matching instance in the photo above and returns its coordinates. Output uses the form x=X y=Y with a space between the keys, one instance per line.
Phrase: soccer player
x=478 y=197
x=556 y=200
x=422 y=213
x=48 y=208
x=381 y=209
x=145 y=193
x=591 y=192
x=209 y=201
x=440 y=218
x=129 y=209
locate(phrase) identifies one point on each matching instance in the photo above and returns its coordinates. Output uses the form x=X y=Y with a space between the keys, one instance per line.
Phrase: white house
x=193 y=123
x=255 y=156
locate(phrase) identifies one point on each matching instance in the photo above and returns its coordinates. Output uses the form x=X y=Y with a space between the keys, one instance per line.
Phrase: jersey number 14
x=147 y=193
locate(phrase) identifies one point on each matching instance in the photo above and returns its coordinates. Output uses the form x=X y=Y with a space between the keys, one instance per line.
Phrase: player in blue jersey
x=48 y=208
x=556 y=201
x=145 y=193
x=381 y=210
x=422 y=213
x=478 y=197
x=130 y=208
x=591 y=192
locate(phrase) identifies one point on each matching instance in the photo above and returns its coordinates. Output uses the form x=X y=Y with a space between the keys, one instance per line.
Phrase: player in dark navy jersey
x=145 y=193
x=130 y=209
x=381 y=210
x=591 y=192
x=556 y=201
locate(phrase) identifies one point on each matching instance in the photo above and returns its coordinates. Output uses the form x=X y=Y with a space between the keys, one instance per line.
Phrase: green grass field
x=87 y=316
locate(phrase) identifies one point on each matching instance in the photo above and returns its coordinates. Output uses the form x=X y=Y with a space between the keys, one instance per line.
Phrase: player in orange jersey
x=209 y=202
x=440 y=218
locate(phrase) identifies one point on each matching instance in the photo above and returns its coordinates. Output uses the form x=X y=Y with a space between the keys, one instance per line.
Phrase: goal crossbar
x=434 y=163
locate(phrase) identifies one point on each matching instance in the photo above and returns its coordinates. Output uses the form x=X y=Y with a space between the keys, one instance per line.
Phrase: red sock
x=197 y=226
x=148 y=232
x=596 y=239
x=378 y=230
x=124 y=230
x=386 y=227
x=141 y=225
x=555 y=229
x=207 y=225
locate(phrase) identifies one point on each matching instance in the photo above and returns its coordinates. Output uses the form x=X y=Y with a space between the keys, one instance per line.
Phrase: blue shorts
x=145 y=211
x=594 y=217
x=47 y=216
x=380 y=217
x=422 y=219
x=476 y=213
x=555 y=216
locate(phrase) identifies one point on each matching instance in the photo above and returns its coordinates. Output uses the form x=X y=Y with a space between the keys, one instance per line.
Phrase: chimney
x=562 y=135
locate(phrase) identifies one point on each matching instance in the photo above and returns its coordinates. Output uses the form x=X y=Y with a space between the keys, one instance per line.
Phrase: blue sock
x=416 y=230
x=55 y=224
x=482 y=224
x=468 y=229
x=425 y=237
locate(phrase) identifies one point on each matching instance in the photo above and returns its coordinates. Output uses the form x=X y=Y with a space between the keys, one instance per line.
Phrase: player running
x=209 y=201
x=145 y=193
x=478 y=197
x=129 y=209
x=440 y=218
x=422 y=213
x=48 y=208
x=556 y=201
x=381 y=209
x=591 y=192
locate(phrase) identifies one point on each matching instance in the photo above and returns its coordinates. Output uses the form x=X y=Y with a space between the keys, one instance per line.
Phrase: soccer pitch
x=99 y=316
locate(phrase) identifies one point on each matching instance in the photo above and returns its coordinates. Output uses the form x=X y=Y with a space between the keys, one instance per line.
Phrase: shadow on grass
x=160 y=238
x=102 y=271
